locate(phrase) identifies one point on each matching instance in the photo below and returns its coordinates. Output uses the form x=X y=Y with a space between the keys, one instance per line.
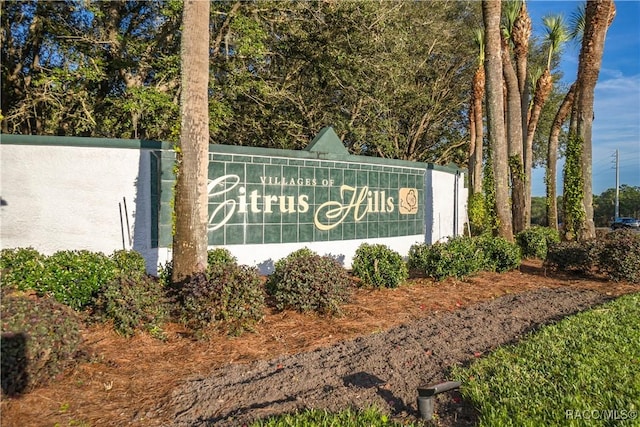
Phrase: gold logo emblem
x=408 y=201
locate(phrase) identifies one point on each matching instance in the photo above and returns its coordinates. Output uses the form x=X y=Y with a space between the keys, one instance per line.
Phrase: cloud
x=616 y=127
x=617 y=115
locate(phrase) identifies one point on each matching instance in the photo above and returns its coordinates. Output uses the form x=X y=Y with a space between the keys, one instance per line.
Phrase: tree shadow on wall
x=15 y=377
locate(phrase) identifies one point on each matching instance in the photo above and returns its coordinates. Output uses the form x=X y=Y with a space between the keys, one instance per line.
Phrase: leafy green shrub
x=580 y=257
x=129 y=264
x=232 y=295
x=534 y=241
x=459 y=257
x=196 y=302
x=40 y=338
x=306 y=281
x=74 y=277
x=619 y=256
x=379 y=266
x=21 y=268
x=300 y=253
x=219 y=257
x=165 y=271
x=240 y=302
x=418 y=256
x=499 y=254
x=133 y=304
x=216 y=258
x=479 y=216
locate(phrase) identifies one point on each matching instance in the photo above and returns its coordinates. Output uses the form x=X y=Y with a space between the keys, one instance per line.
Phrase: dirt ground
x=386 y=344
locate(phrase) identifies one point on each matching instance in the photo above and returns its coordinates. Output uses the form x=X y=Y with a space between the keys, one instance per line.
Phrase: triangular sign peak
x=326 y=141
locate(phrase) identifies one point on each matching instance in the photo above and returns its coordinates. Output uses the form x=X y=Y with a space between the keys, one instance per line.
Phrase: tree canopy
x=392 y=78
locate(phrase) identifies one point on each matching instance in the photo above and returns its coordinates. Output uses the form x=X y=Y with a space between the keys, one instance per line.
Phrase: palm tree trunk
x=479 y=82
x=190 y=240
x=521 y=36
x=472 y=148
x=552 y=157
x=542 y=91
x=495 y=115
x=598 y=14
x=514 y=142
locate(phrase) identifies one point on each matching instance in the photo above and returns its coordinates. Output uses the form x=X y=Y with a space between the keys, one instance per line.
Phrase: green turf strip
x=582 y=371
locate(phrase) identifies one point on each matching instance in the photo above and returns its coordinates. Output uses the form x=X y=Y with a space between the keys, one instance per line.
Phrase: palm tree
x=575 y=34
x=552 y=156
x=477 y=125
x=521 y=34
x=513 y=115
x=190 y=239
x=598 y=16
x=556 y=35
x=495 y=115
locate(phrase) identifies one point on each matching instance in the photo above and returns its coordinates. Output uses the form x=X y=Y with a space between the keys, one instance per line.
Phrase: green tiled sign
x=277 y=200
x=322 y=193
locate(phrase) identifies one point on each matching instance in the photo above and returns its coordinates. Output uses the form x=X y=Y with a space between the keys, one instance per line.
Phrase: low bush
x=219 y=258
x=40 y=338
x=216 y=258
x=133 y=304
x=195 y=302
x=232 y=296
x=241 y=301
x=458 y=257
x=300 y=253
x=306 y=281
x=74 y=277
x=129 y=264
x=580 y=257
x=418 y=256
x=619 y=256
x=499 y=254
x=535 y=241
x=379 y=266
x=21 y=268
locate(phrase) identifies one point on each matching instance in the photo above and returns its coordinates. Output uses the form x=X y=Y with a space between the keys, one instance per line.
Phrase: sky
x=617 y=95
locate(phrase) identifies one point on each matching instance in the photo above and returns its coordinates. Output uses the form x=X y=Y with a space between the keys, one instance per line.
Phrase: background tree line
x=392 y=78
x=395 y=79
x=603 y=206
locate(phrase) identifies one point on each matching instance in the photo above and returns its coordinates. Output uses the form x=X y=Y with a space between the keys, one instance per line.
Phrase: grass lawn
x=584 y=370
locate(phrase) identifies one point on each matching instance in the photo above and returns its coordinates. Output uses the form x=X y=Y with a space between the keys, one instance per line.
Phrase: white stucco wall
x=443 y=190
x=57 y=198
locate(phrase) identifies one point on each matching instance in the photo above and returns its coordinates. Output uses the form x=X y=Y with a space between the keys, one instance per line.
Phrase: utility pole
x=617 y=184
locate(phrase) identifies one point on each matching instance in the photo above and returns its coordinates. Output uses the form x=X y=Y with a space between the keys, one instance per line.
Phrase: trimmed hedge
x=379 y=266
x=21 y=268
x=616 y=256
x=461 y=257
x=499 y=254
x=305 y=281
x=133 y=304
x=75 y=277
x=535 y=241
x=40 y=338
